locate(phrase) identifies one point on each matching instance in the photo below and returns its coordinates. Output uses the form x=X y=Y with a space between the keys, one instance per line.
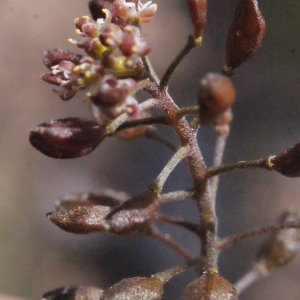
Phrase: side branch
x=263 y=163
x=192 y=42
x=234 y=239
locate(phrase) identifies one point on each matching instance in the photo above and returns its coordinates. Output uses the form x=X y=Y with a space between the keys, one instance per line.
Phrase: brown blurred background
x=35 y=256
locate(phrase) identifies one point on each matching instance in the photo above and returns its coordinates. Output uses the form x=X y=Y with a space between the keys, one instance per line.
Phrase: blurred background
x=35 y=256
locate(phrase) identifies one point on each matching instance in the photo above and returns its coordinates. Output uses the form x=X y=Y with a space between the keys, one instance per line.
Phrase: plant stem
x=257 y=163
x=152 y=133
x=191 y=110
x=176 y=196
x=194 y=228
x=158 y=183
x=142 y=122
x=192 y=42
x=197 y=167
x=155 y=233
x=117 y=122
x=256 y=273
x=166 y=275
x=217 y=161
x=231 y=240
x=150 y=69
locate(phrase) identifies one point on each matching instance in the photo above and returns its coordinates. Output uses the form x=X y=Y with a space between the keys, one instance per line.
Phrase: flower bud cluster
x=114 y=49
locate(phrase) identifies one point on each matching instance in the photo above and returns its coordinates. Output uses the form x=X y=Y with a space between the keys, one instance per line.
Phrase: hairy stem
x=217 y=161
x=159 y=182
x=176 y=196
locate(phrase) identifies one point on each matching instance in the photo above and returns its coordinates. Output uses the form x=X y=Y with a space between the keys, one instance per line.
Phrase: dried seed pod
x=136 y=288
x=211 y=286
x=287 y=163
x=82 y=219
x=282 y=246
x=74 y=293
x=215 y=97
x=72 y=201
x=133 y=215
x=67 y=138
x=197 y=9
x=245 y=34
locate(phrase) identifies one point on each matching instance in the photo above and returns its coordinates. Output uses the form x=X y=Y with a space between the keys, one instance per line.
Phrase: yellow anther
x=76 y=20
x=86 y=18
x=77 y=31
x=80 y=81
x=88 y=74
x=88 y=94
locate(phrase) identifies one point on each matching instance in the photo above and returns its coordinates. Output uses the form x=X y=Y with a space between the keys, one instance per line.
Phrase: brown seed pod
x=133 y=215
x=72 y=201
x=282 y=246
x=245 y=34
x=74 y=293
x=197 y=9
x=210 y=286
x=136 y=288
x=67 y=138
x=216 y=95
x=287 y=163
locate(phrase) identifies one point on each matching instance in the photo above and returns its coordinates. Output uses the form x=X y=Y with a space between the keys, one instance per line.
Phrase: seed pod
x=210 y=286
x=67 y=138
x=287 y=163
x=197 y=9
x=245 y=34
x=72 y=201
x=133 y=215
x=82 y=219
x=136 y=288
x=215 y=96
x=282 y=246
x=74 y=293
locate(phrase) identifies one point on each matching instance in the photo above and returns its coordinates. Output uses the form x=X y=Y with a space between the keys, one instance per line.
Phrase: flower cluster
x=111 y=67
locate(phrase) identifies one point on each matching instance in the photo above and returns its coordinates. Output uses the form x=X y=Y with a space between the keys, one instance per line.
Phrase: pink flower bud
x=55 y=56
x=197 y=9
